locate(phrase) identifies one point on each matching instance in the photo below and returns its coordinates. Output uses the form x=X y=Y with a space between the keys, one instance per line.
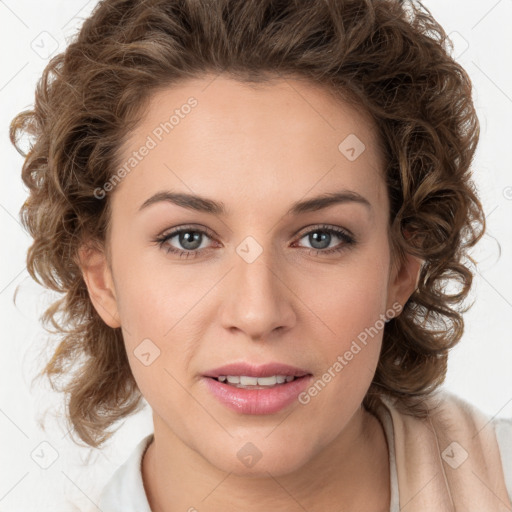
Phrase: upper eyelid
x=179 y=229
x=319 y=227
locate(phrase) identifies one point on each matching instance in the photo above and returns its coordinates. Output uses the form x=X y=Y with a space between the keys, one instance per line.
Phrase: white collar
x=124 y=491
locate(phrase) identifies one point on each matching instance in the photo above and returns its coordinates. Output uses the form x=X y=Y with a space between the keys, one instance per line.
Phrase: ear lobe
x=406 y=279
x=98 y=279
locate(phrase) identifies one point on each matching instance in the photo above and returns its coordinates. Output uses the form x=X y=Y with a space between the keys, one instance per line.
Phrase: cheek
x=349 y=350
x=352 y=326
x=156 y=300
x=162 y=311
x=350 y=299
x=348 y=354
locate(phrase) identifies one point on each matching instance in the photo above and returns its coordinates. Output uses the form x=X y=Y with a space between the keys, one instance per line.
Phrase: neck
x=351 y=473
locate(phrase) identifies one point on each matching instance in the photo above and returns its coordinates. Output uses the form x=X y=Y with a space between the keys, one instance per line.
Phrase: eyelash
x=348 y=240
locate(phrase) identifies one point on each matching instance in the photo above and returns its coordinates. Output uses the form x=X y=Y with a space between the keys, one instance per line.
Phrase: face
x=253 y=278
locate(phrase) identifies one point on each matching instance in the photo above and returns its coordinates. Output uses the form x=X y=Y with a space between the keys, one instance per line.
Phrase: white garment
x=125 y=490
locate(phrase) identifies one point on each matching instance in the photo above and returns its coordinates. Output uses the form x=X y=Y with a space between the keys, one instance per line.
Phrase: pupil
x=190 y=242
x=314 y=239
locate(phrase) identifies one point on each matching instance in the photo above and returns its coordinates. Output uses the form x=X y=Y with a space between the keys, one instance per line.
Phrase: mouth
x=247 y=382
x=250 y=389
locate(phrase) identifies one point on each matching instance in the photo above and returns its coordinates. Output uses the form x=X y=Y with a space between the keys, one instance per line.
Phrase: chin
x=260 y=457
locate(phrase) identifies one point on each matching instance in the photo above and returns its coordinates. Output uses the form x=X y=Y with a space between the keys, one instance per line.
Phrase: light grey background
x=479 y=367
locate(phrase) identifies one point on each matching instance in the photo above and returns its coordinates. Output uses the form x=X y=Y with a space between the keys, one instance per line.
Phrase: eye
x=320 y=239
x=192 y=239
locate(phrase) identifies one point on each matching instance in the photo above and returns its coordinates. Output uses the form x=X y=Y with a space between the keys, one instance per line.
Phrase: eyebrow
x=203 y=204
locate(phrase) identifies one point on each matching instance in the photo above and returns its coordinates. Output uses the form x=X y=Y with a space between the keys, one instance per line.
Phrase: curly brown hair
x=389 y=57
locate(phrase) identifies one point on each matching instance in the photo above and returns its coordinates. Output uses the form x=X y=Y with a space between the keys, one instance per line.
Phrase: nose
x=258 y=301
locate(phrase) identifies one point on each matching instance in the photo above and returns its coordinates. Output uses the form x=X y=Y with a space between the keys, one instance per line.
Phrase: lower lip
x=258 y=401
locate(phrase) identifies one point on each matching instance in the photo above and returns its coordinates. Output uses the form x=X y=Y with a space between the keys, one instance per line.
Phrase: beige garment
x=450 y=461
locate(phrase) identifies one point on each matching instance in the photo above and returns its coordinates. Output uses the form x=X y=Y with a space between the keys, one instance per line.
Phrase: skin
x=258 y=150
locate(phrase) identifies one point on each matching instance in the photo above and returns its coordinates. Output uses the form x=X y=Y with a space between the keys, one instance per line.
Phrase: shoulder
x=479 y=423
x=503 y=429
x=449 y=406
x=124 y=492
x=463 y=435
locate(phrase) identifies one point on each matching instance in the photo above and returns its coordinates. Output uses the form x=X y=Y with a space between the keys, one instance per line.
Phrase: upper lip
x=252 y=370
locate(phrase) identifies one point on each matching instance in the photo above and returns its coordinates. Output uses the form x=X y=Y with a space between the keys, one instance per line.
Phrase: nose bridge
x=257 y=301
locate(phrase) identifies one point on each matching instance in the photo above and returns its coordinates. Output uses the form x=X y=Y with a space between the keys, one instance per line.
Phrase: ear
x=404 y=280
x=100 y=285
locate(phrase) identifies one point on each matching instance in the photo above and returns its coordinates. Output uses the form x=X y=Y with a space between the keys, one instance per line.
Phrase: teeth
x=249 y=381
x=266 y=381
x=243 y=380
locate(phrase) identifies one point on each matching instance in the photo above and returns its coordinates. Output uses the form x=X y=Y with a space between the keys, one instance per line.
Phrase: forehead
x=217 y=136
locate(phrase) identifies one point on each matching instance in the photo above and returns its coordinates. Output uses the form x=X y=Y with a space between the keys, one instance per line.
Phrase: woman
x=254 y=209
